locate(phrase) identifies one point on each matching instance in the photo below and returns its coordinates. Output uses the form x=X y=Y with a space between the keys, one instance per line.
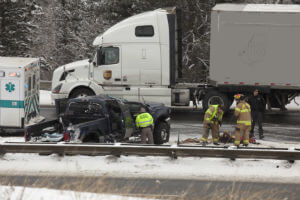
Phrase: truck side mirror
x=93 y=62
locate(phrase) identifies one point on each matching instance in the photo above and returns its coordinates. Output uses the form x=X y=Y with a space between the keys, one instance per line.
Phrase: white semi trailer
x=139 y=58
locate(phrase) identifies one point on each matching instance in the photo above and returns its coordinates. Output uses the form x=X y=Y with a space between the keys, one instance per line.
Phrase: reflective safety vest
x=143 y=120
x=211 y=114
x=243 y=112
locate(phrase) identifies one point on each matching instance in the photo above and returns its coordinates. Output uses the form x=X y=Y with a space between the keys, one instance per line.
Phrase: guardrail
x=45 y=85
x=151 y=150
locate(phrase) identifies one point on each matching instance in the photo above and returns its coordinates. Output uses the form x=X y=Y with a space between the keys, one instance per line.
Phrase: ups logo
x=107 y=74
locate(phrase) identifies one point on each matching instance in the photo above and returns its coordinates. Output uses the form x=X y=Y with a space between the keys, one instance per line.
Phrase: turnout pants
x=241 y=130
x=214 y=131
x=257 y=116
x=147 y=133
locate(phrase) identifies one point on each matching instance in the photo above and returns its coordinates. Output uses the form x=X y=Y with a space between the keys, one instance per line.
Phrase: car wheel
x=161 y=133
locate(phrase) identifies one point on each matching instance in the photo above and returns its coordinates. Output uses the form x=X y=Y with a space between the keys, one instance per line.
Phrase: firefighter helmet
x=238 y=96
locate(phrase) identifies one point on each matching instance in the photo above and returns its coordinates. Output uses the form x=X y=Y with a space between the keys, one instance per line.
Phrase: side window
x=144 y=31
x=29 y=83
x=109 y=55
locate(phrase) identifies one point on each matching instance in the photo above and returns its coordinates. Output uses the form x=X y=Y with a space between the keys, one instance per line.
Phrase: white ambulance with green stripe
x=19 y=93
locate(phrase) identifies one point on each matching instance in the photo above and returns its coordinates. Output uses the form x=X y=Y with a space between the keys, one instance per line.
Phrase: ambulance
x=19 y=91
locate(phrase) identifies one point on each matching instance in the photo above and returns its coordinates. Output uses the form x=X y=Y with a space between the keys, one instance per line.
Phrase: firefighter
x=243 y=126
x=144 y=122
x=212 y=120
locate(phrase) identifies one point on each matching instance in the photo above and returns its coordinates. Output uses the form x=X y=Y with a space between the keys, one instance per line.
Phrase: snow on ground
x=11 y=139
x=153 y=167
x=25 y=193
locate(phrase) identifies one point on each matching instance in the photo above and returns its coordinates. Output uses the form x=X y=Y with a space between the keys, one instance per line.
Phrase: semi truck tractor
x=140 y=58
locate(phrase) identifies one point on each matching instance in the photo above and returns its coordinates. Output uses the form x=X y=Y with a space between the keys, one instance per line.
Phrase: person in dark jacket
x=258 y=106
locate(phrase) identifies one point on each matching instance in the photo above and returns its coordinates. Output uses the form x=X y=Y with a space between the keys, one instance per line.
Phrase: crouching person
x=243 y=124
x=144 y=122
x=212 y=120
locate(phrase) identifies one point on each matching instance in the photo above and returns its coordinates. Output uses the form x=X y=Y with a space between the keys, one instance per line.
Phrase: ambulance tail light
x=13 y=74
x=57 y=88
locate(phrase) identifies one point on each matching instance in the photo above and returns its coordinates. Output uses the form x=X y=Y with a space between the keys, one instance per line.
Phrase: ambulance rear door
x=10 y=101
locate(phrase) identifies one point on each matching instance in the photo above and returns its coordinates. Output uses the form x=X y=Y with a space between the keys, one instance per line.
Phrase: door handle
x=117 y=79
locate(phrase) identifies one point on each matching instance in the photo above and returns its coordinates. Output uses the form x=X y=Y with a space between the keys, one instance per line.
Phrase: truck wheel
x=81 y=92
x=215 y=97
x=161 y=133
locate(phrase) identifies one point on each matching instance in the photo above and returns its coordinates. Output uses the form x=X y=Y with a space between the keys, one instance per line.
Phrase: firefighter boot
x=261 y=136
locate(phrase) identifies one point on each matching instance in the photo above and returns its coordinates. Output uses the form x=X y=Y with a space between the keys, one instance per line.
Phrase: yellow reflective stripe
x=221 y=116
x=144 y=122
x=244 y=122
x=245 y=110
x=204 y=139
x=237 y=109
x=208 y=119
x=208 y=111
x=237 y=142
x=215 y=111
x=215 y=140
x=246 y=141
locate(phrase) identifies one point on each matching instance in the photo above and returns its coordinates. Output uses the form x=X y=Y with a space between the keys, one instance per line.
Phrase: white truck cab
x=132 y=62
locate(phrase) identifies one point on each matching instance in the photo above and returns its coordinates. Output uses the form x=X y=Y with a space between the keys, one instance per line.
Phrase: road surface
x=161 y=188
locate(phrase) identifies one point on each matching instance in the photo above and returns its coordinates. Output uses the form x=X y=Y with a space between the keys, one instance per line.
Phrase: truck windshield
x=85 y=108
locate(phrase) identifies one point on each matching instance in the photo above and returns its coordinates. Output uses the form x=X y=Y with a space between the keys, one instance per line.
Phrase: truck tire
x=161 y=133
x=81 y=92
x=215 y=97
